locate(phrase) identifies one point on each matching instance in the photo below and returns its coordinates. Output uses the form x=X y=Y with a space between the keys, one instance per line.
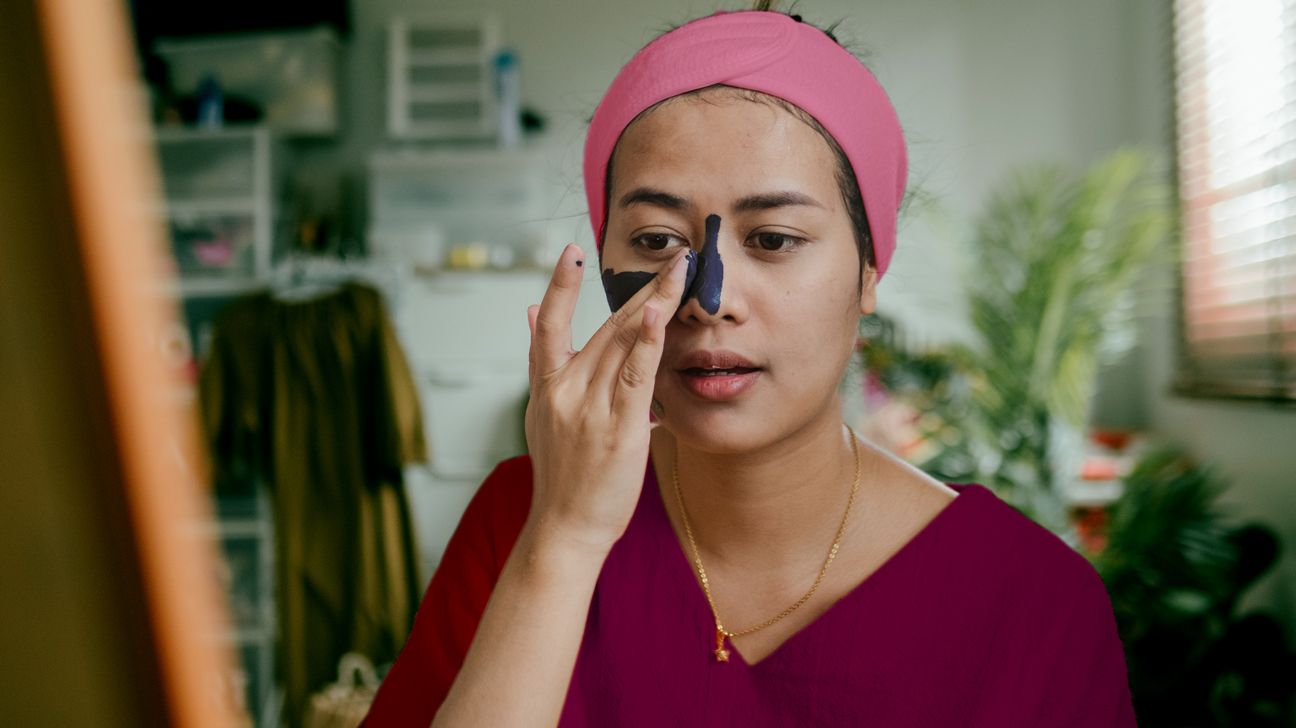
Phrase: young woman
x=739 y=557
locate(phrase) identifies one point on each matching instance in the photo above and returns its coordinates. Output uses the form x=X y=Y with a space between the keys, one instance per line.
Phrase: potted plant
x=1053 y=263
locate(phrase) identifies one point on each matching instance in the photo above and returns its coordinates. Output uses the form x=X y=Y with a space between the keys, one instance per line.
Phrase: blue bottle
x=211 y=103
x=508 y=90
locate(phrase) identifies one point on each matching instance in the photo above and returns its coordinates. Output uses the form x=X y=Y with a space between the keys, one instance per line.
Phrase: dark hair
x=845 y=173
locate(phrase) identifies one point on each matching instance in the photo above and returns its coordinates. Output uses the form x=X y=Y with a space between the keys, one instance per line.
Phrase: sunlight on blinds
x=1235 y=99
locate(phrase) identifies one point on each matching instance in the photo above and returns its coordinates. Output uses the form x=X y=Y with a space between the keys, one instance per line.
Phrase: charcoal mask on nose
x=703 y=280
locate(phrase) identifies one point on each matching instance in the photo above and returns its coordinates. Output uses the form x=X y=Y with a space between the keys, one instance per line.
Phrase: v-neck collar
x=682 y=564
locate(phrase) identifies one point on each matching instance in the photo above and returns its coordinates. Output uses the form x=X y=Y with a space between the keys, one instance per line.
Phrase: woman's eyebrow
x=771 y=200
x=750 y=203
x=658 y=198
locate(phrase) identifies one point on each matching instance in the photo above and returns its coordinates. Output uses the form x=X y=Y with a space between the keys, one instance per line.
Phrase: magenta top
x=984 y=618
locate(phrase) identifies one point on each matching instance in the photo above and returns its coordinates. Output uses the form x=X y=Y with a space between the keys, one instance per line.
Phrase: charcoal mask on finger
x=703 y=279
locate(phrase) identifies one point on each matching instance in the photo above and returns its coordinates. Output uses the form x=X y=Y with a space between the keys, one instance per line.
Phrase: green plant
x=1176 y=571
x=1053 y=262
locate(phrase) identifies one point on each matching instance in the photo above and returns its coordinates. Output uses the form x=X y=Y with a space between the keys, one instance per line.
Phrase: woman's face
x=777 y=285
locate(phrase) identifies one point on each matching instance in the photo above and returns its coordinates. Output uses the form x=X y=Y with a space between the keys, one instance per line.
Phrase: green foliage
x=1176 y=571
x=1053 y=261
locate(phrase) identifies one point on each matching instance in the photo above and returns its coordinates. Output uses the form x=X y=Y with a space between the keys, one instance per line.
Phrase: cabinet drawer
x=472 y=418
x=469 y=318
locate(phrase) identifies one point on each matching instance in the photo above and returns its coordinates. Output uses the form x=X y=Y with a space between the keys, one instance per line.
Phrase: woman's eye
x=654 y=241
x=776 y=242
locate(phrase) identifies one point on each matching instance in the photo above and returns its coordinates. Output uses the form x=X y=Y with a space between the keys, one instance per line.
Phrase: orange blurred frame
x=113 y=181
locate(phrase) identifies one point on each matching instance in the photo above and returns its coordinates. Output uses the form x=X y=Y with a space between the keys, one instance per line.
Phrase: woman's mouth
x=716 y=375
x=716 y=384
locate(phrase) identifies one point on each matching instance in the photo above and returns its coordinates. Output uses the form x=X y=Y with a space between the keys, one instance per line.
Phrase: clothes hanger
x=301 y=277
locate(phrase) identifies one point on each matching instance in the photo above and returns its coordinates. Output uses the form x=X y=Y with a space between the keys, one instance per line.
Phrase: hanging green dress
x=315 y=399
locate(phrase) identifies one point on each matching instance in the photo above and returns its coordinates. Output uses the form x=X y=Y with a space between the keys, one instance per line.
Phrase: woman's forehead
x=704 y=117
x=692 y=139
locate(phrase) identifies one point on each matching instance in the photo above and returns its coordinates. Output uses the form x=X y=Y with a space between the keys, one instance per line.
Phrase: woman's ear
x=868 y=291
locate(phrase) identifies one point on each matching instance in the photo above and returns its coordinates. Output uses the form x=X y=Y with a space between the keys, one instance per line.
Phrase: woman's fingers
x=551 y=331
x=532 y=311
x=633 y=393
x=613 y=342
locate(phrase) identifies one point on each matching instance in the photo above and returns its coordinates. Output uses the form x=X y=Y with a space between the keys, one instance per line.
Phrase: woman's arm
x=520 y=663
x=588 y=431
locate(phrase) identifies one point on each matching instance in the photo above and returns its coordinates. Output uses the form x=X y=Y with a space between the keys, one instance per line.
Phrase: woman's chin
x=718 y=430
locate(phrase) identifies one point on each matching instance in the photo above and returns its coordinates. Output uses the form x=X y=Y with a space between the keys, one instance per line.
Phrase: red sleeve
x=452 y=606
x=1088 y=681
x=1058 y=659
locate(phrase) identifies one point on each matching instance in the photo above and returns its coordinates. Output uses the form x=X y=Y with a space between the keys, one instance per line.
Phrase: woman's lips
x=719 y=384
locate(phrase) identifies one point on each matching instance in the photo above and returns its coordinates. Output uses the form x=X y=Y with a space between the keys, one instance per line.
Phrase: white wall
x=980 y=88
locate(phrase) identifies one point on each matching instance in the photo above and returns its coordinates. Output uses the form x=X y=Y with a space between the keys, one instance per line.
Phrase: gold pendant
x=721 y=654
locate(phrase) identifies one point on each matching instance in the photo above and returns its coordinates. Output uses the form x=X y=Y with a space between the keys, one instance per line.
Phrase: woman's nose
x=708 y=280
x=705 y=299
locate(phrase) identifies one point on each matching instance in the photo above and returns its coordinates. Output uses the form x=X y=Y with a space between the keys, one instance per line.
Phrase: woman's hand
x=587 y=426
x=587 y=423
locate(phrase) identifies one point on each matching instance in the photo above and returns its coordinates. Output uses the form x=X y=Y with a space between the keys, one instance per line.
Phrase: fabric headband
x=774 y=54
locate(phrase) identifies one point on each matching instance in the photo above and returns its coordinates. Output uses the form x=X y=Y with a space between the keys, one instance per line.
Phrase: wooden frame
x=111 y=603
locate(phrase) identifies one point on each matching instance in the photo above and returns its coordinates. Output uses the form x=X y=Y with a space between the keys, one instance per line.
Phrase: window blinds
x=1235 y=98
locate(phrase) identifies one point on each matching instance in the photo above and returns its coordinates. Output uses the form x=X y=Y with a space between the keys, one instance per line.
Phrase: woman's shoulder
x=510 y=477
x=493 y=519
x=1024 y=552
x=506 y=491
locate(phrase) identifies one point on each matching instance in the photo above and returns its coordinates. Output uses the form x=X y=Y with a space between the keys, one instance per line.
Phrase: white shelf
x=210 y=206
x=197 y=287
x=185 y=134
x=235 y=527
x=224 y=178
x=442 y=44
x=253 y=636
x=243 y=528
x=447 y=57
x=1092 y=493
x=440 y=93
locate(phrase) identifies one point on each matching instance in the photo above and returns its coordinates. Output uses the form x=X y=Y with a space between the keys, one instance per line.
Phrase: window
x=1235 y=102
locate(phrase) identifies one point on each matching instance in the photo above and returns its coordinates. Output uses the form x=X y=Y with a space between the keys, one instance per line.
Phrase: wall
x=979 y=90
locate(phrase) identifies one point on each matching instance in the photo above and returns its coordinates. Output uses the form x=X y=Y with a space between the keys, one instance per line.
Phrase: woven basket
x=346 y=702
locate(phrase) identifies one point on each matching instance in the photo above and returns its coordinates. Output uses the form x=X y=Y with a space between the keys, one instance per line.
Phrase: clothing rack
x=302 y=276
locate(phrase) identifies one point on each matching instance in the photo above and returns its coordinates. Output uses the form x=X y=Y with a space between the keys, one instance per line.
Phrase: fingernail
x=680 y=262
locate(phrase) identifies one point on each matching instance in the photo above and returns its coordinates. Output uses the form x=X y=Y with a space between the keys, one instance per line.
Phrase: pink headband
x=774 y=54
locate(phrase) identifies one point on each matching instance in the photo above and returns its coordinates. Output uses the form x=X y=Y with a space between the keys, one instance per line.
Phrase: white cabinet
x=473 y=418
x=220 y=205
x=466 y=336
x=465 y=331
x=440 y=82
x=290 y=75
x=422 y=202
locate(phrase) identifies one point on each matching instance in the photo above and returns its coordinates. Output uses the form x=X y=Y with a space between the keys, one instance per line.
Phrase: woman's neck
x=769 y=509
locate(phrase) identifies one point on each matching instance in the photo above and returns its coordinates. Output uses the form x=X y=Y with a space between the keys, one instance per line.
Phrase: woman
x=747 y=560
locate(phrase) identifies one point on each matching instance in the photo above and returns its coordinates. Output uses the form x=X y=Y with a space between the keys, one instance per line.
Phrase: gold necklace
x=722 y=654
